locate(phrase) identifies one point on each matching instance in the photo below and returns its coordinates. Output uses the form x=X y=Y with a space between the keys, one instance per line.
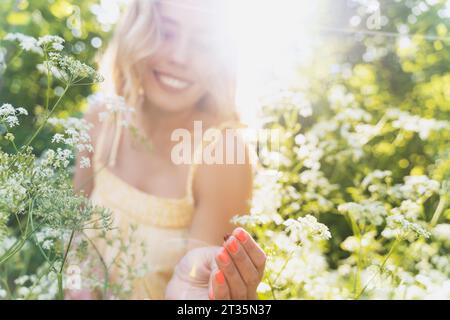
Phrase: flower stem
x=60 y=273
x=439 y=210
x=47 y=117
x=394 y=245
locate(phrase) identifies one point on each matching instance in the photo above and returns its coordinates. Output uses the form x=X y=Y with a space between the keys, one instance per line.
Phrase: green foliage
x=20 y=85
x=366 y=149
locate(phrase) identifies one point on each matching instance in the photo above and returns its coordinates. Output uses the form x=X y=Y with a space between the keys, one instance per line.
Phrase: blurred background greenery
x=403 y=63
x=79 y=23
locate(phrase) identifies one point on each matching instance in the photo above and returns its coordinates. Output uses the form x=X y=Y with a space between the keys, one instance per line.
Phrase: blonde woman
x=171 y=61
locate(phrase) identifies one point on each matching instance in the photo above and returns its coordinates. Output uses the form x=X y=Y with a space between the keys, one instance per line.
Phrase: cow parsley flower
x=409 y=209
x=3 y=293
x=408 y=122
x=85 y=163
x=400 y=227
x=76 y=133
x=51 y=42
x=114 y=105
x=442 y=233
x=9 y=114
x=366 y=242
x=72 y=71
x=366 y=212
x=62 y=158
x=415 y=187
x=304 y=229
x=27 y=43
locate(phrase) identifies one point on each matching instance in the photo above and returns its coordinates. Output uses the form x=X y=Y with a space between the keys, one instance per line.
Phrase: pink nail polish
x=220 y=278
x=223 y=256
x=241 y=235
x=232 y=245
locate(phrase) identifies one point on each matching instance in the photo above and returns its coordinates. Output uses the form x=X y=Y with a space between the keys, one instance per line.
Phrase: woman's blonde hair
x=136 y=38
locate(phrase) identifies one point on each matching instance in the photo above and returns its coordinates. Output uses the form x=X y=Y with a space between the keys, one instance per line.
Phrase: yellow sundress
x=152 y=230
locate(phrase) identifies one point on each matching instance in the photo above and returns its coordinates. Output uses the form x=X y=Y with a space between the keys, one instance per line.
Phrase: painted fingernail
x=220 y=278
x=223 y=256
x=232 y=245
x=211 y=294
x=241 y=235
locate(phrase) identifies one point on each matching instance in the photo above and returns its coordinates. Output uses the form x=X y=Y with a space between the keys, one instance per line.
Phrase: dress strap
x=198 y=152
x=116 y=140
x=115 y=120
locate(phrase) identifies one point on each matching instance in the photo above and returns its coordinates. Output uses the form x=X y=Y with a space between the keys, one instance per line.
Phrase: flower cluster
x=365 y=213
x=400 y=227
x=408 y=122
x=26 y=43
x=40 y=45
x=305 y=228
x=9 y=115
x=38 y=205
x=50 y=42
x=72 y=71
x=114 y=105
x=76 y=135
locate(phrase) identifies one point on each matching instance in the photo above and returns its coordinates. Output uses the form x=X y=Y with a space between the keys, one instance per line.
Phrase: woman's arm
x=230 y=269
x=221 y=191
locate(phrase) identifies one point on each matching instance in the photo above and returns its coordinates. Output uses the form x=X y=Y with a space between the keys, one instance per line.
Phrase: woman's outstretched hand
x=232 y=271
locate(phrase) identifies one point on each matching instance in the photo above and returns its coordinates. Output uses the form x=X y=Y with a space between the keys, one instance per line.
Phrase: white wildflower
x=8 y=114
x=114 y=105
x=442 y=233
x=3 y=293
x=366 y=242
x=413 y=123
x=339 y=97
x=290 y=99
x=20 y=281
x=409 y=209
x=22 y=111
x=400 y=227
x=85 y=163
x=76 y=133
x=7 y=110
x=375 y=177
x=267 y=195
x=415 y=187
x=62 y=158
x=49 y=41
x=366 y=212
x=27 y=43
x=251 y=220
x=71 y=70
x=305 y=228
x=57 y=138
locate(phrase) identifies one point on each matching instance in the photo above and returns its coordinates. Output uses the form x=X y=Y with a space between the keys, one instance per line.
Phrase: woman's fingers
x=236 y=285
x=254 y=251
x=218 y=290
x=243 y=263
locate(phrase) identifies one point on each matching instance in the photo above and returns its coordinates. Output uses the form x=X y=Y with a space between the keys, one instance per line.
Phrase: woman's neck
x=153 y=120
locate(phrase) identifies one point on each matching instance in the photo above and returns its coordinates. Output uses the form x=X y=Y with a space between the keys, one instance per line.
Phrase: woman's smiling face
x=176 y=77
